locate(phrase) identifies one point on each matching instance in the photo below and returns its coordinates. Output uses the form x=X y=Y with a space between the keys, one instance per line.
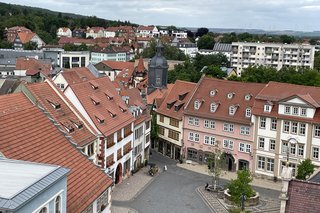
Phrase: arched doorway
x=118 y=174
x=229 y=162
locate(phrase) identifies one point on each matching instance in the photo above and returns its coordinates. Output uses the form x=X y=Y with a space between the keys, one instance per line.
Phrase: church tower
x=158 y=70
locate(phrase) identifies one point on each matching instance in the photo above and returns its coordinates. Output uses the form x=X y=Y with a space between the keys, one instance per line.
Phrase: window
x=262 y=122
x=284 y=147
x=228 y=144
x=137 y=133
x=191 y=136
x=90 y=149
x=317 y=130
x=196 y=137
x=248 y=112
x=191 y=120
x=174 y=122
x=270 y=165
x=161 y=118
x=147 y=125
x=248 y=148
x=57 y=205
x=192 y=154
x=261 y=162
x=244 y=130
x=241 y=147
x=287 y=110
x=230 y=95
x=119 y=156
x=267 y=108
x=315 y=153
x=294 y=127
x=303 y=112
x=227 y=127
x=272 y=144
x=261 y=143
x=300 y=150
x=173 y=135
x=295 y=110
x=247 y=97
x=273 y=124
x=209 y=140
x=232 y=110
x=213 y=107
x=209 y=124
x=213 y=92
x=196 y=105
x=293 y=149
x=161 y=130
x=196 y=121
x=102 y=202
x=127 y=130
x=286 y=126
x=302 y=128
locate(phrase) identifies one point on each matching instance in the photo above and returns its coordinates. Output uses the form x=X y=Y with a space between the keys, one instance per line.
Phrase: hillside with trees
x=45 y=22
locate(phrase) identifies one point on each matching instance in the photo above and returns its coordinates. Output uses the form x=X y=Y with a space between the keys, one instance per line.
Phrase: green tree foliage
x=215 y=71
x=205 y=42
x=5 y=45
x=207 y=60
x=305 y=169
x=287 y=39
x=259 y=74
x=185 y=72
x=317 y=61
x=73 y=47
x=241 y=185
x=202 y=31
x=170 y=52
x=45 y=22
x=30 y=46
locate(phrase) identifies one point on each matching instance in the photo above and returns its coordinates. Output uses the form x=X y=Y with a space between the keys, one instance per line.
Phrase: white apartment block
x=271 y=54
x=97 y=57
x=72 y=59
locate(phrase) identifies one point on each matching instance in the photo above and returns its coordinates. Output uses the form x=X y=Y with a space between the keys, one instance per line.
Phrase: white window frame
x=191 y=121
x=316 y=131
x=196 y=104
x=272 y=144
x=213 y=107
x=191 y=136
x=261 y=141
x=303 y=111
x=196 y=137
x=273 y=125
x=315 y=150
x=287 y=110
x=248 y=112
x=263 y=121
x=302 y=128
x=242 y=147
x=244 y=130
x=267 y=108
x=295 y=110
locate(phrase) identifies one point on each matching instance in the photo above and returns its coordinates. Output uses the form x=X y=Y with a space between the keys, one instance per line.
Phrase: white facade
x=109 y=34
x=60 y=81
x=66 y=32
x=95 y=34
x=179 y=34
x=73 y=59
x=97 y=57
x=270 y=54
x=189 y=49
x=141 y=142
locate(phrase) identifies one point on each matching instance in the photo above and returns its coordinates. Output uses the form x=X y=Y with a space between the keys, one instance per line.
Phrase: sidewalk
x=203 y=169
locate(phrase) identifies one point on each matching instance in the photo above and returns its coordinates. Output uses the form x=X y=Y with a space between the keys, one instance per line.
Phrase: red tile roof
x=275 y=92
x=25 y=36
x=124 y=77
x=222 y=88
x=103 y=86
x=303 y=196
x=178 y=97
x=67 y=40
x=33 y=66
x=150 y=28
x=119 y=65
x=27 y=134
x=45 y=95
x=77 y=75
x=158 y=95
x=140 y=67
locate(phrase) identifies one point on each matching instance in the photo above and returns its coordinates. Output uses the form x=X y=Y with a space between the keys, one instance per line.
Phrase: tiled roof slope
x=177 y=98
x=119 y=65
x=275 y=92
x=98 y=90
x=222 y=47
x=158 y=95
x=45 y=95
x=31 y=64
x=303 y=196
x=27 y=134
x=222 y=88
x=77 y=75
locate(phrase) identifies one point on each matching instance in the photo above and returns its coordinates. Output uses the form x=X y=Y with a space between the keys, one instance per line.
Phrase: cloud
x=268 y=14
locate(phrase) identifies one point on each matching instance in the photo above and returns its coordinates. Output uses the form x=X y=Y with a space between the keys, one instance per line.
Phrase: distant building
x=223 y=48
x=64 y=31
x=94 y=32
x=109 y=54
x=25 y=37
x=12 y=32
x=147 y=31
x=186 y=46
x=32 y=187
x=113 y=68
x=179 y=34
x=79 y=33
x=271 y=54
x=72 y=59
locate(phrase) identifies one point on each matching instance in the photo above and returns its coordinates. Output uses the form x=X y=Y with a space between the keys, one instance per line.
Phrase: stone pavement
x=117 y=209
x=203 y=169
x=217 y=205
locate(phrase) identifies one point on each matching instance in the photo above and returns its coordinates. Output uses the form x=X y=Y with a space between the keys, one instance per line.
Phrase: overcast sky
x=258 y=14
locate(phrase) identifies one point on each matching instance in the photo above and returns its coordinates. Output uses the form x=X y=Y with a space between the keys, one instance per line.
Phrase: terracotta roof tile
x=33 y=66
x=140 y=67
x=27 y=134
x=178 y=96
x=119 y=65
x=222 y=88
x=77 y=75
x=84 y=90
x=158 y=95
x=45 y=95
x=25 y=36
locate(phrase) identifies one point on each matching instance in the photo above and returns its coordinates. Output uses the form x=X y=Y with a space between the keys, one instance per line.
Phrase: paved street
x=175 y=191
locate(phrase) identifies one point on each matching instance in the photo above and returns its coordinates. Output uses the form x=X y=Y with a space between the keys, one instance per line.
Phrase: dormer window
x=109 y=95
x=287 y=109
x=182 y=96
x=197 y=104
x=94 y=85
x=267 y=108
x=122 y=109
x=230 y=95
x=112 y=113
x=232 y=110
x=248 y=97
x=77 y=123
x=178 y=106
x=95 y=100
x=213 y=92
x=213 y=107
x=248 y=112
x=54 y=104
x=100 y=118
x=170 y=104
x=68 y=126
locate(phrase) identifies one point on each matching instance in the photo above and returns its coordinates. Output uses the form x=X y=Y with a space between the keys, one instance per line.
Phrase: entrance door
x=243 y=165
x=177 y=153
x=118 y=173
x=230 y=164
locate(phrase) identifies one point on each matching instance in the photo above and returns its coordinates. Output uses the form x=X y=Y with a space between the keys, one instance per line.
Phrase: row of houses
x=255 y=126
x=127 y=31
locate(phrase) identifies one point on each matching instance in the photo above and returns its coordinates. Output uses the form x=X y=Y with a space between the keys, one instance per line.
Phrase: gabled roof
x=223 y=88
x=141 y=27
x=84 y=91
x=305 y=97
x=33 y=66
x=8 y=86
x=178 y=96
x=158 y=95
x=40 y=141
x=77 y=75
x=44 y=93
x=118 y=65
x=25 y=36
x=140 y=67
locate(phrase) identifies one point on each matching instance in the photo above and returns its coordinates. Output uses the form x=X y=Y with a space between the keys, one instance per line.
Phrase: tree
x=206 y=60
x=30 y=46
x=185 y=72
x=205 y=42
x=313 y=41
x=287 y=39
x=317 y=60
x=305 y=169
x=214 y=165
x=215 y=71
x=202 y=31
x=241 y=185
